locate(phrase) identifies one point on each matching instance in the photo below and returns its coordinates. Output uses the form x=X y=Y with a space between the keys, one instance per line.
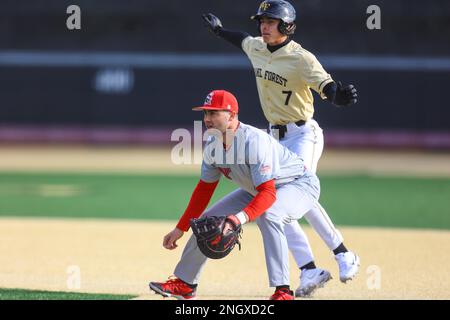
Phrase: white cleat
x=348 y=265
x=310 y=280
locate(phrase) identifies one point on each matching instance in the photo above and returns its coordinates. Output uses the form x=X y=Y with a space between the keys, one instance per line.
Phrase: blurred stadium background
x=122 y=76
x=86 y=115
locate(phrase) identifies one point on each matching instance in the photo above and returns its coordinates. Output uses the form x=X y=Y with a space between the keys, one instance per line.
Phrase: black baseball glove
x=345 y=96
x=212 y=23
x=217 y=236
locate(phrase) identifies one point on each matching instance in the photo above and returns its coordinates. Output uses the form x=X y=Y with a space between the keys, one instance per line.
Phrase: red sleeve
x=199 y=200
x=267 y=194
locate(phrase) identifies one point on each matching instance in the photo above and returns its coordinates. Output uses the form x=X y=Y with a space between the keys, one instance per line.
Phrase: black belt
x=282 y=128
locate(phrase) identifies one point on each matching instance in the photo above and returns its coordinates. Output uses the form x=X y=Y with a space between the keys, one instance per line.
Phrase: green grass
x=349 y=200
x=388 y=201
x=20 y=294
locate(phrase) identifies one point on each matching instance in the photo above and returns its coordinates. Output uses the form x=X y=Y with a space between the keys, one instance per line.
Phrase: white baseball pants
x=307 y=142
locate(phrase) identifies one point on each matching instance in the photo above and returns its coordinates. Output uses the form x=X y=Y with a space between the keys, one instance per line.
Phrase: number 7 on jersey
x=288 y=96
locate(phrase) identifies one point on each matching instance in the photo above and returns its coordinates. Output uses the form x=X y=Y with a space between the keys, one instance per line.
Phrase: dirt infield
x=158 y=160
x=122 y=256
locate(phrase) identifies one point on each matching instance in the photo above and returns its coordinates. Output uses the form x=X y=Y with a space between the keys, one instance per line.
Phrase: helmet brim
x=268 y=15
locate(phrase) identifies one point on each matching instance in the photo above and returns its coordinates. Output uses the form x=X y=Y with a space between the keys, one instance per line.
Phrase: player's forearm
x=199 y=201
x=265 y=198
x=234 y=37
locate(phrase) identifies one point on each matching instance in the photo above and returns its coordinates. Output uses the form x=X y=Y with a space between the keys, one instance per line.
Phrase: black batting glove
x=345 y=96
x=212 y=23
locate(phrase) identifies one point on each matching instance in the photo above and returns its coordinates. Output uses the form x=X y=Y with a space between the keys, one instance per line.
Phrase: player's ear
x=233 y=115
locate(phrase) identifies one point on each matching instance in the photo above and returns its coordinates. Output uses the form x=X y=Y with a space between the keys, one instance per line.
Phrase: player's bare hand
x=228 y=227
x=212 y=22
x=170 y=239
x=231 y=224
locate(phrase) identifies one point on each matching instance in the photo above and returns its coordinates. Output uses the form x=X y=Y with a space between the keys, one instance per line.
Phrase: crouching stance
x=275 y=188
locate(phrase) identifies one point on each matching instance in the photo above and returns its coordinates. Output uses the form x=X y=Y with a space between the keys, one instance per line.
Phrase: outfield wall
x=135 y=69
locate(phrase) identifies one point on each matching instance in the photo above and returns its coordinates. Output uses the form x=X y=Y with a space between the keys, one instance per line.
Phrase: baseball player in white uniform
x=285 y=72
x=275 y=188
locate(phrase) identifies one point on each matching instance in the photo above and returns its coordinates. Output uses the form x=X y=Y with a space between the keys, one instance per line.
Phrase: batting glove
x=345 y=96
x=212 y=23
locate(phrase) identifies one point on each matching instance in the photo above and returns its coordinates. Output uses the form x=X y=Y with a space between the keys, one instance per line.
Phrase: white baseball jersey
x=284 y=79
x=253 y=158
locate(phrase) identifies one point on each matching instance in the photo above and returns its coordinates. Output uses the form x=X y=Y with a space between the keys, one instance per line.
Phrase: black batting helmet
x=278 y=9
